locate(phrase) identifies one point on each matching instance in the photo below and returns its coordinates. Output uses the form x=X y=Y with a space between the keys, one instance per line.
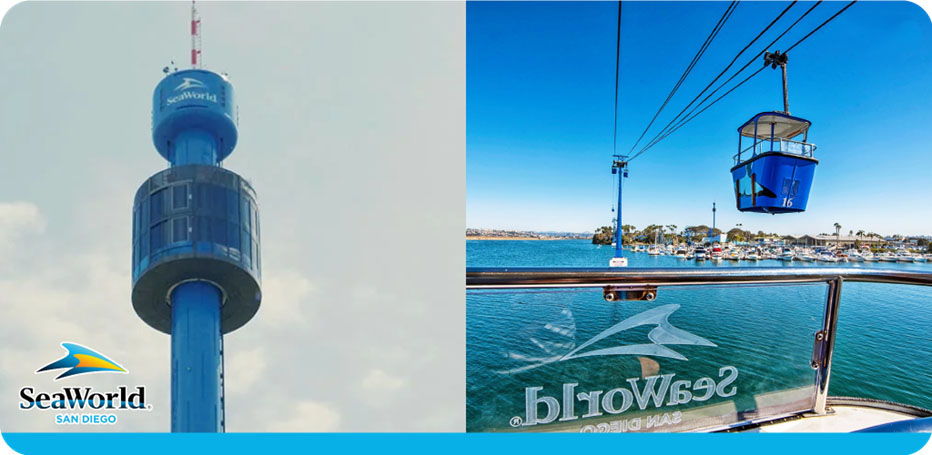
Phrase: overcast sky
x=352 y=131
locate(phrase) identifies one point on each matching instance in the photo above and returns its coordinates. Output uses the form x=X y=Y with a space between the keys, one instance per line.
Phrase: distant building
x=828 y=240
x=768 y=241
x=721 y=238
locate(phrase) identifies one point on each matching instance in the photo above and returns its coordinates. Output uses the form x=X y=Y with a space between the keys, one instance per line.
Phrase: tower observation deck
x=196 y=260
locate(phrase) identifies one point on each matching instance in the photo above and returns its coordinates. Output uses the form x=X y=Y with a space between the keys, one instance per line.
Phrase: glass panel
x=180 y=229
x=232 y=205
x=246 y=248
x=259 y=261
x=156 y=206
x=696 y=357
x=255 y=252
x=180 y=196
x=144 y=216
x=202 y=196
x=144 y=246
x=233 y=235
x=158 y=236
x=246 y=214
x=218 y=200
x=255 y=223
x=218 y=231
x=882 y=343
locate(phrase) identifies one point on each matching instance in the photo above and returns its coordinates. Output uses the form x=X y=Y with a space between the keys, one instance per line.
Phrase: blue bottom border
x=473 y=444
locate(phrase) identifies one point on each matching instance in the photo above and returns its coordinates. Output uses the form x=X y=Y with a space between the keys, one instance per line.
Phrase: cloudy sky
x=352 y=131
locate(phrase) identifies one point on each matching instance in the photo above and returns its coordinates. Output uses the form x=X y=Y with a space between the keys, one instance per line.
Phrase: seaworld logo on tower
x=189 y=84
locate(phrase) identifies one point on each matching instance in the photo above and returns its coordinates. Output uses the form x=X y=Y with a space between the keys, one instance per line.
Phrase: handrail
x=511 y=277
x=806 y=147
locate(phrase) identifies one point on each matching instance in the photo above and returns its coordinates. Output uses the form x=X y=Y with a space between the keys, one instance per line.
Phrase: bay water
x=515 y=339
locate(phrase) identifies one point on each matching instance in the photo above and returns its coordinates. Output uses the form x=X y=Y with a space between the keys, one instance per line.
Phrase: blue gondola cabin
x=774 y=174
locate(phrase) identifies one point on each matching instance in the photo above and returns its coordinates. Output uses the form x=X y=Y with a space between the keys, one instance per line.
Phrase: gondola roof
x=785 y=126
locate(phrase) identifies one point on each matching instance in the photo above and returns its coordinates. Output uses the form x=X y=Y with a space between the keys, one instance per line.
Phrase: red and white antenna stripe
x=195 y=37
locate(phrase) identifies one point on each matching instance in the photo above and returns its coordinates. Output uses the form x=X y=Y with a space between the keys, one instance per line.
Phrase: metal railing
x=779 y=145
x=652 y=280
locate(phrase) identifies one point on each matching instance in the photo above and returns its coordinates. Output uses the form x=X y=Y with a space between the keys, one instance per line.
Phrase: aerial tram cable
x=615 y=112
x=771 y=24
x=667 y=131
x=705 y=45
x=682 y=123
x=617 y=58
x=820 y=26
x=739 y=84
x=676 y=122
x=665 y=134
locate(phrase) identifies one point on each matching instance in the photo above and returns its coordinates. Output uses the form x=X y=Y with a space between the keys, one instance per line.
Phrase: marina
x=744 y=254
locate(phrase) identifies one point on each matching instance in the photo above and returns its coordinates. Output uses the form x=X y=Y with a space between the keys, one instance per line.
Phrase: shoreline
x=483 y=237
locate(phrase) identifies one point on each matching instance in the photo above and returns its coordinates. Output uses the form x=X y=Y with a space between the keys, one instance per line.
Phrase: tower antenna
x=195 y=37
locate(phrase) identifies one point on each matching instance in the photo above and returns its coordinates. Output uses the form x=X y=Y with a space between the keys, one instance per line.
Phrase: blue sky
x=540 y=94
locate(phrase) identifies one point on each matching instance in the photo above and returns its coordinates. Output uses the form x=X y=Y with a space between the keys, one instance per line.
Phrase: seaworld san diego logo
x=81 y=360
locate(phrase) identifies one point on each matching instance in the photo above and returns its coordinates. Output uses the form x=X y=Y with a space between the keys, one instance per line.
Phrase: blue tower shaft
x=197 y=360
x=196 y=337
x=194 y=146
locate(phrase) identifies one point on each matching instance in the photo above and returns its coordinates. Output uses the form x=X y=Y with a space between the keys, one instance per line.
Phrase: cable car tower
x=774 y=174
x=712 y=230
x=619 y=168
x=196 y=261
x=619 y=162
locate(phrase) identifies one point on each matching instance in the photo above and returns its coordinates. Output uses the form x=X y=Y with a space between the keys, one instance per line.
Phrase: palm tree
x=860 y=234
x=837 y=231
x=672 y=228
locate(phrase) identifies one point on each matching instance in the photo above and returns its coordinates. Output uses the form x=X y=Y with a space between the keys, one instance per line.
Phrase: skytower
x=196 y=269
